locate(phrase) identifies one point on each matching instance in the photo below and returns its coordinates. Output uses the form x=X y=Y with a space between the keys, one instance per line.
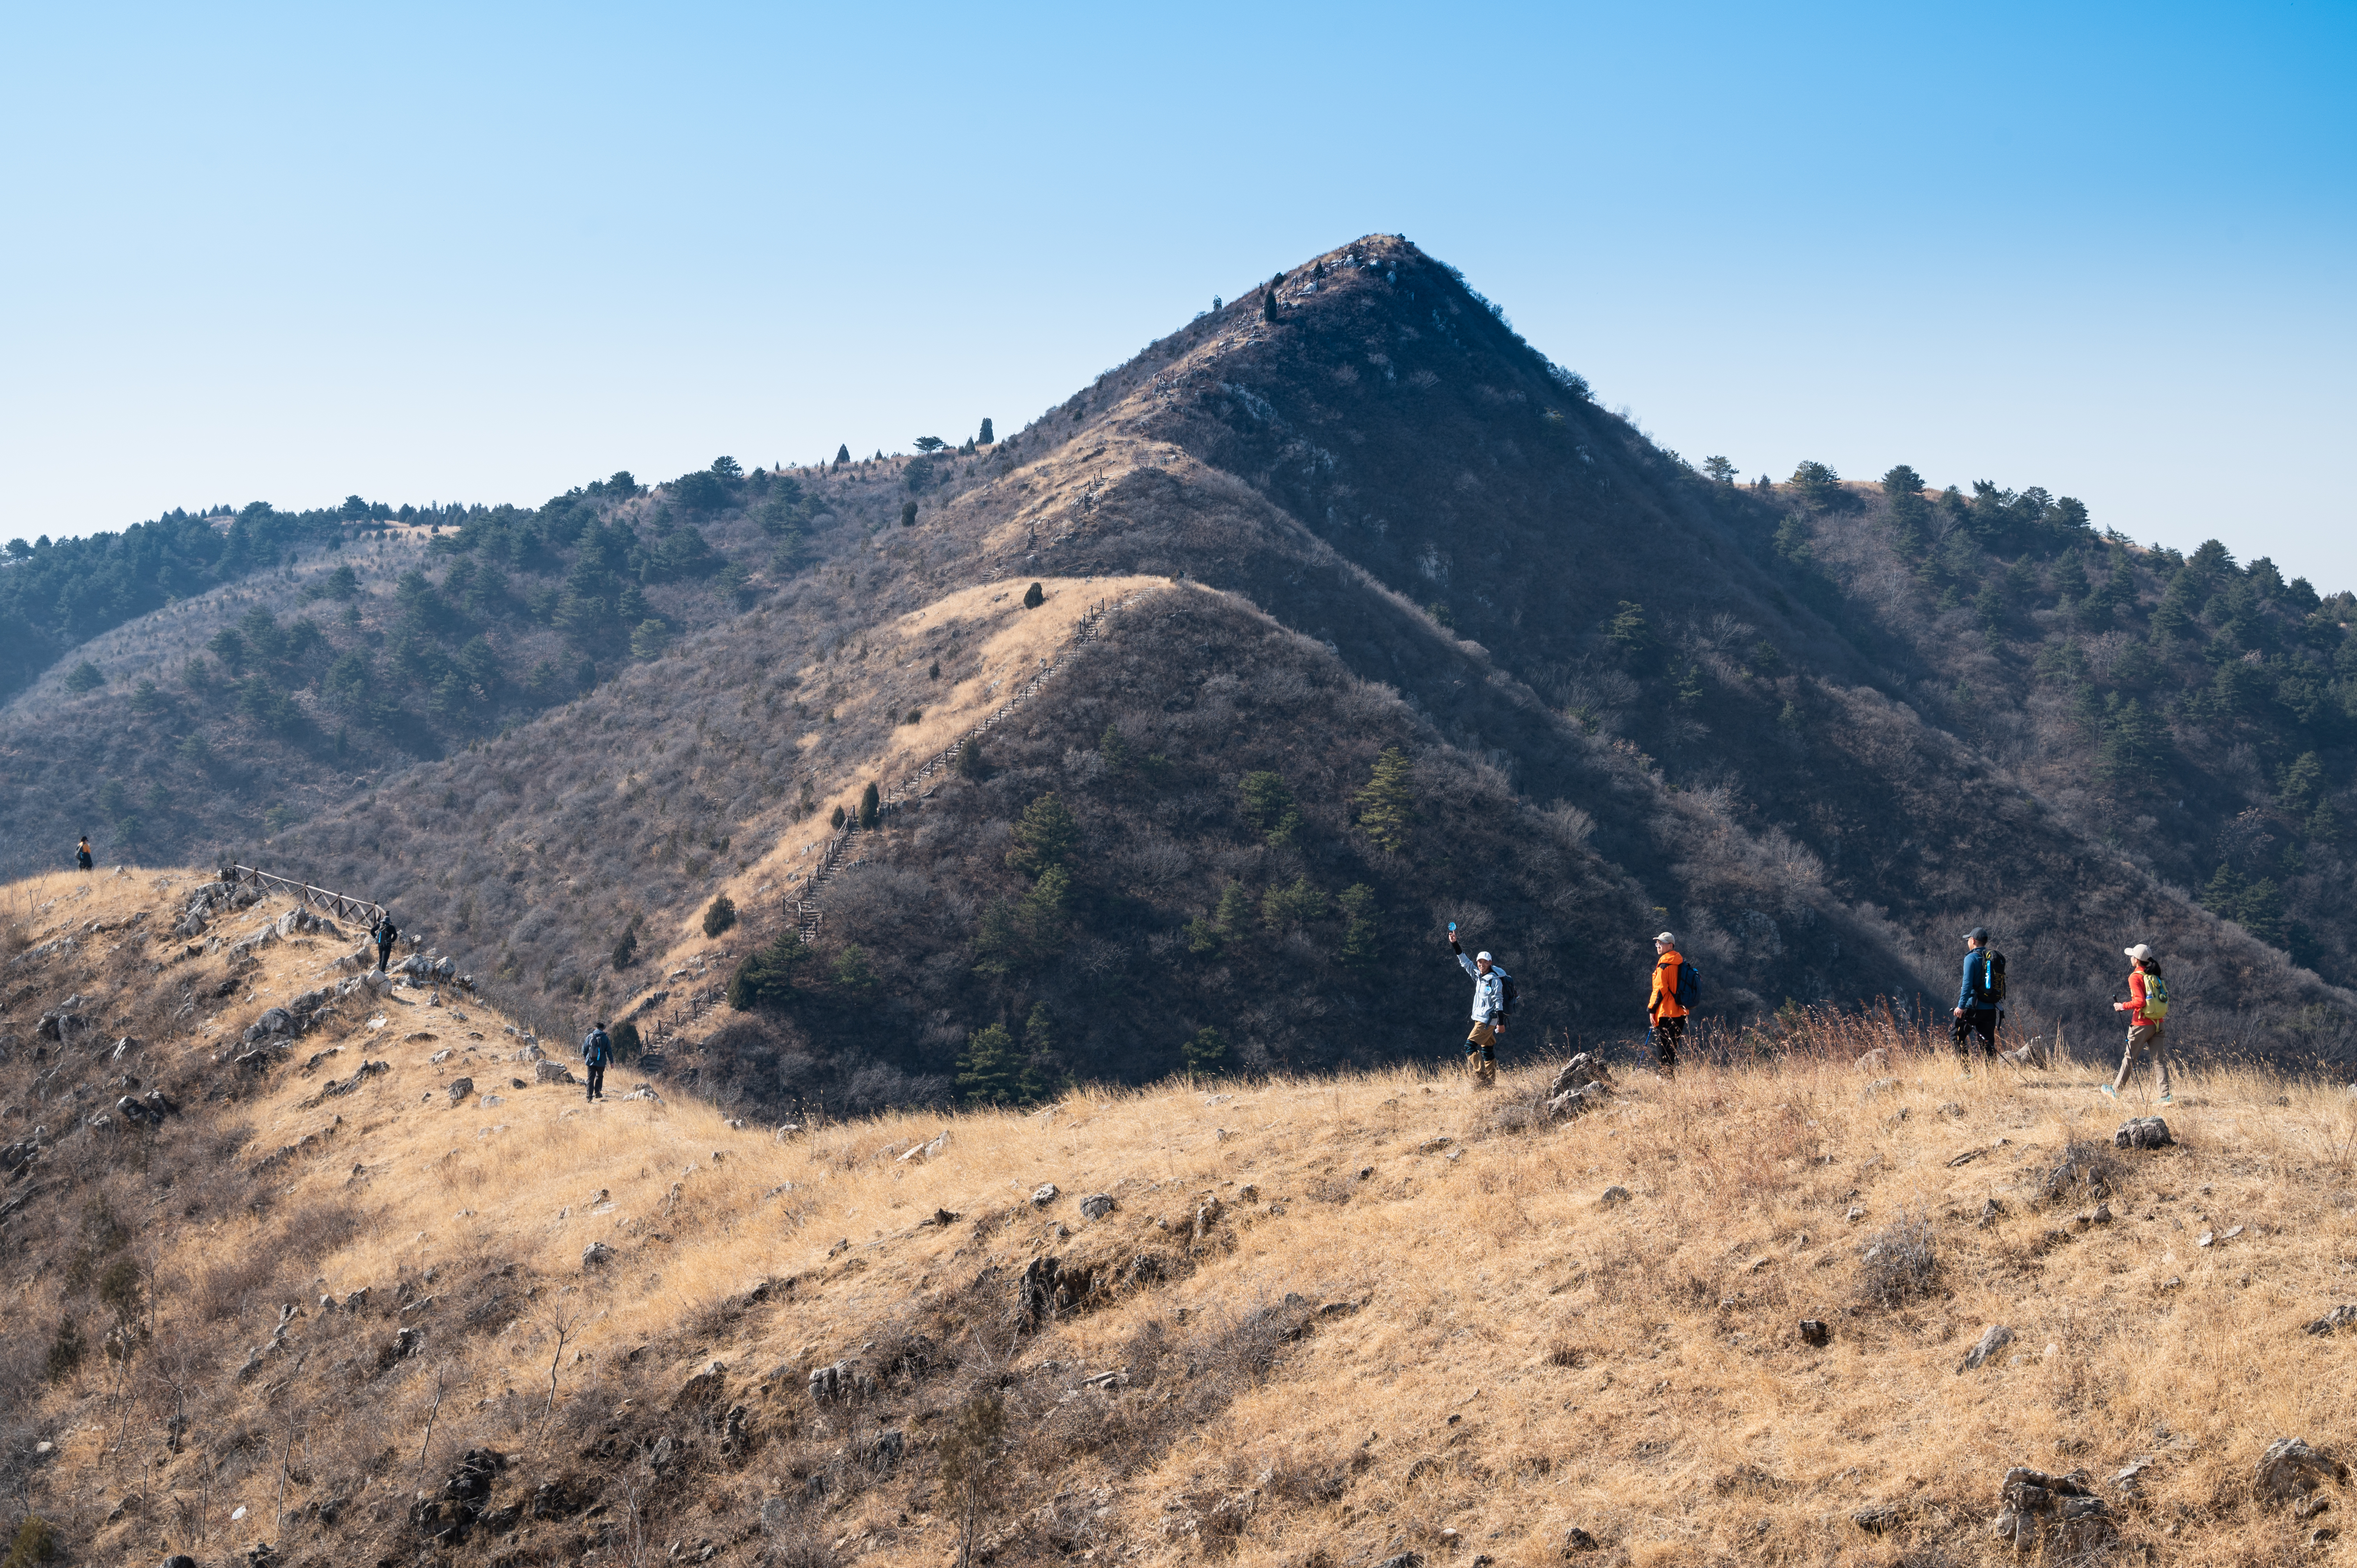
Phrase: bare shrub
x=2087 y=1170
x=1899 y=1262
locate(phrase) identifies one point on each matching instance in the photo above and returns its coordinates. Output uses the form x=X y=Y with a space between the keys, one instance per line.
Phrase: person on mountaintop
x=1493 y=998
x=1665 y=1013
x=2147 y=1006
x=1978 y=995
x=82 y=854
x=384 y=931
x=597 y=1050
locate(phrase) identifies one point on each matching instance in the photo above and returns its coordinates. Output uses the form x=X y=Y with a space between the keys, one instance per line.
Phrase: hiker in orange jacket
x=1666 y=1014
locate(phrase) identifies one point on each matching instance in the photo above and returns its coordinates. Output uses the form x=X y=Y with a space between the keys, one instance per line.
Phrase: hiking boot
x=2166 y=1098
x=2107 y=1092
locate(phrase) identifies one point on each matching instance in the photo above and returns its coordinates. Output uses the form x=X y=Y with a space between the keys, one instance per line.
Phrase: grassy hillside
x=1624 y=696
x=1324 y=1319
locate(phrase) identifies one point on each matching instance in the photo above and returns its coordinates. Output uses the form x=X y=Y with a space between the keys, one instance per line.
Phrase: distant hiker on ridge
x=384 y=931
x=82 y=854
x=597 y=1050
x=1493 y=998
x=1673 y=995
x=1979 y=995
x=2147 y=1006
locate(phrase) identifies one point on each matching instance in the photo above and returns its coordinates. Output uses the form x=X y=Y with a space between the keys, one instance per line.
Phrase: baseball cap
x=1664 y=936
x=2139 y=953
x=1483 y=958
x=1977 y=934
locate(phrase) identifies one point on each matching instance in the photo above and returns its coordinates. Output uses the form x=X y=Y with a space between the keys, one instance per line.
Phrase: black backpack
x=1689 y=984
x=1507 y=992
x=1991 y=990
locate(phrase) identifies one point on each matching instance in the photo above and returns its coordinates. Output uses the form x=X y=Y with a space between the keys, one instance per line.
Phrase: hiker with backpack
x=1677 y=986
x=1493 y=999
x=2147 y=1006
x=82 y=861
x=1980 y=998
x=597 y=1050
x=384 y=931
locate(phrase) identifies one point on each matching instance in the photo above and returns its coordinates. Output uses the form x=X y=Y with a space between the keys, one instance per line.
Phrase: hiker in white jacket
x=1493 y=998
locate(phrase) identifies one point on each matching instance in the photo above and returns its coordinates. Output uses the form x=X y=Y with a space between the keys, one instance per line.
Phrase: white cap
x=2139 y=952
x=1483 y=958
x=1665 y=937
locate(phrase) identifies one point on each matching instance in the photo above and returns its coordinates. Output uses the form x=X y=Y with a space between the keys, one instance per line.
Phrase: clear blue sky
x=485 y=252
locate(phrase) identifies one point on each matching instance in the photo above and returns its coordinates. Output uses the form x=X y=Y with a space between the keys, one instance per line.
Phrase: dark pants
x=1667 y=1032
x=597 y=1080
x=1980 y=1021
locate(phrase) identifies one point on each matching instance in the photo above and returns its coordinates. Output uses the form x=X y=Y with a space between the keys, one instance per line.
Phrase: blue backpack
x=1689 y=984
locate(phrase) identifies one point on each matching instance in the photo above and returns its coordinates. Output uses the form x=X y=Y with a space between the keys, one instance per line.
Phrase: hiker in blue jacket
x=597 y=1050
x=1493 y=998
x=1978 y=994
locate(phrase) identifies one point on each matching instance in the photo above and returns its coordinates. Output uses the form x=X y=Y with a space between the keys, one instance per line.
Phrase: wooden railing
x=341 y=905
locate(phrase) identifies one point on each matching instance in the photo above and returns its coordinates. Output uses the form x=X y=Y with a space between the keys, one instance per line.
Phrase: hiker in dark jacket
x=82 y=854
x=384 y=931
x=1490 y=1002
x=1976 y=1001
x=597 y=1050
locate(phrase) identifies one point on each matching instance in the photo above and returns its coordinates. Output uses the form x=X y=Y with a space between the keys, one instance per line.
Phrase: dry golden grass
x=998 y=646
x=1507 y=1356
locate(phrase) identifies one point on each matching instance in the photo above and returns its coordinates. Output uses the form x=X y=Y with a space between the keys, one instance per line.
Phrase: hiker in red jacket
x=2147 y=1006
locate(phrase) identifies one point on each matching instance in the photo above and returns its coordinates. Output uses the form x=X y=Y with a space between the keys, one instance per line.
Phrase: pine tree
x=907 y=515
x=719 y=915
x=836 y=820
x=1268 y=304
x=871 y=807
x=2297 y=784
x=986 y=1068
x=1044 y=836
x=1387 y=803
x=1270 y=806
x=1206 y=1052
x=1234 y=911
x=843 y=454
x=1361 y=934
x=1034 y=597
x=987 y=438
x=2134 y=749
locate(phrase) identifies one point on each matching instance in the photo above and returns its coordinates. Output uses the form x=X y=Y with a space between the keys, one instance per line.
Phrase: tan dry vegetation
x=1414 y=1315
x=989 y=645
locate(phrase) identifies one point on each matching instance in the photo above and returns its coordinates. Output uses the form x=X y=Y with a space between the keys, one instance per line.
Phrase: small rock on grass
x=1577 y=1539
x=1995 y=1338
x=2143 y=1133
x=2290 y=1469
x=1614 y=1195
x=1815 y=1332
x=2339 y=1317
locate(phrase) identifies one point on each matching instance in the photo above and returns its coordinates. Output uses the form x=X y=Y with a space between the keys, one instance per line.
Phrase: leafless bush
x=1899 y=1262
x=2087 y=1170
